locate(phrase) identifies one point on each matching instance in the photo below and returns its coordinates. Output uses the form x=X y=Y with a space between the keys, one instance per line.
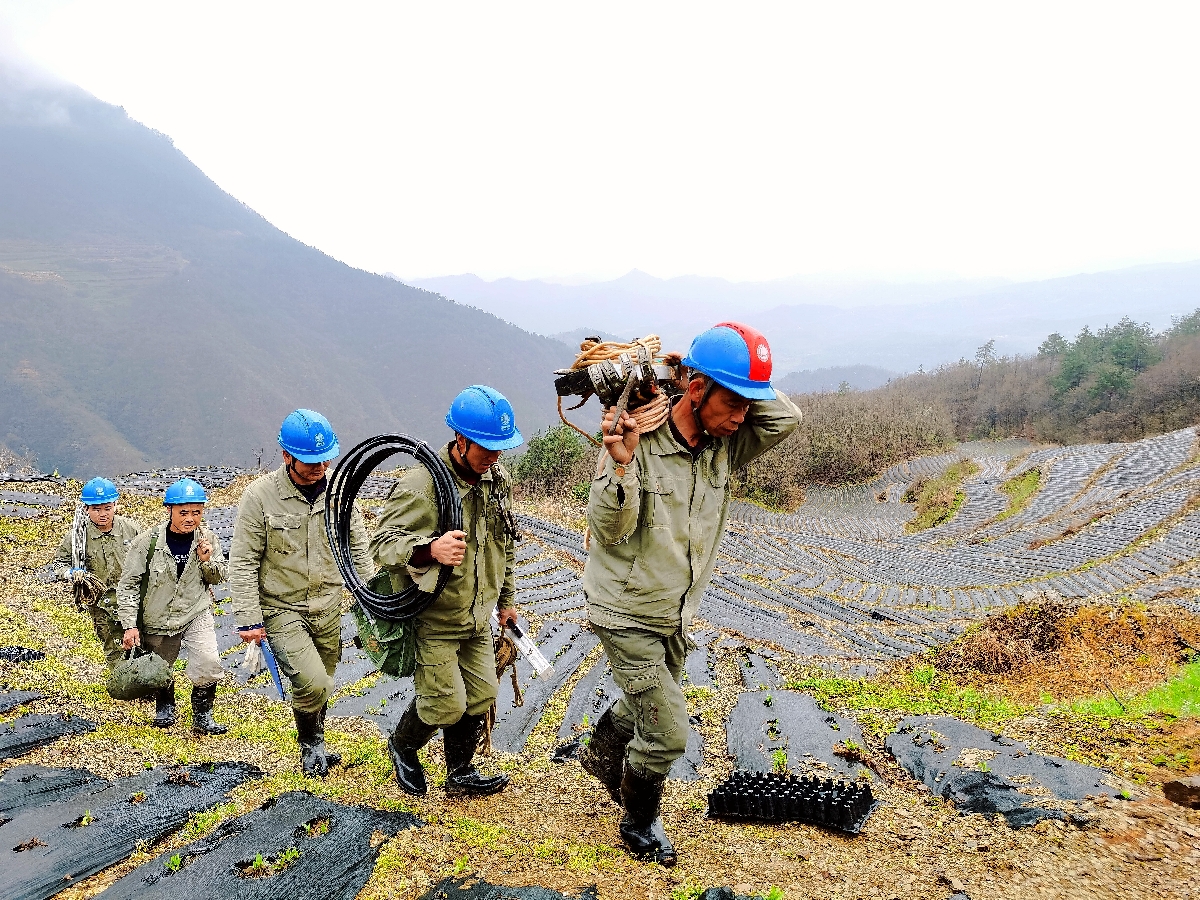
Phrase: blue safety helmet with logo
x=308 y=437
x=97 y=492
x=185 y=490
x=736 y=357
x=484 y=416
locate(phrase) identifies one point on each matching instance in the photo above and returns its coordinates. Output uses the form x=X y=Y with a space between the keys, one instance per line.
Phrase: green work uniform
x=282 y=576
x=177 y=609
x=456 y=663
x=655 y=531
x=104 y=552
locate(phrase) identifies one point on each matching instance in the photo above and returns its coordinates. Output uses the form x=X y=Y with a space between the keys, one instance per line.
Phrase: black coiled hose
x=344 y=485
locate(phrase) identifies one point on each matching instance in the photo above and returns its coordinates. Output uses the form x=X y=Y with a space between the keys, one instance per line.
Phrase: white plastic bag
x=254 y=662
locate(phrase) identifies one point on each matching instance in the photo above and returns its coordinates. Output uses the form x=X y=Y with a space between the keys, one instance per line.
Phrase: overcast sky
x=743 y=140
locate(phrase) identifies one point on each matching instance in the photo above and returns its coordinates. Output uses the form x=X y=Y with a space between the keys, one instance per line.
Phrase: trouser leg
x=307 y=649
x=648 y=668
x=199 y=644
x=454 y=676
x=109 y=633
x=167 y=646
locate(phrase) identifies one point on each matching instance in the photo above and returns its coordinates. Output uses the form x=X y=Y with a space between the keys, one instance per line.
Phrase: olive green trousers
x=307 y=647
x=454 y=675
x=648 y=668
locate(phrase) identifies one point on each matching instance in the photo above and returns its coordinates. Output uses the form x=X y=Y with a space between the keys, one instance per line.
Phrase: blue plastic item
x=484 y=416
x=97 y=492
x=735 y=356
x=308 y=436
x=185 y=490
x=273 y=667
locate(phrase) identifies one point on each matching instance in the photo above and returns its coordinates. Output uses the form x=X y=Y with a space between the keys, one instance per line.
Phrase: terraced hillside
x=838 y=588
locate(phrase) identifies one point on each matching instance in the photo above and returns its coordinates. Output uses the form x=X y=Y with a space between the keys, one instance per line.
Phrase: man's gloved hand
x=75 y=575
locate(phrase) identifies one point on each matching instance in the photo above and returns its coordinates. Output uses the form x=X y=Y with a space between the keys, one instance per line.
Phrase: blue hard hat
x=735 y=356
x=483 y=415
x=185 y=490
x=308 y=436
x=98 y=491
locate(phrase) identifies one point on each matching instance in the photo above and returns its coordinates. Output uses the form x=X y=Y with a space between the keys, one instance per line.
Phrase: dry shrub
x=1068 y=650
x=843 y=437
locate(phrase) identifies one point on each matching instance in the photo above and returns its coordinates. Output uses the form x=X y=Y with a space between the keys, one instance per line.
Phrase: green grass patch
x=476 y=833
x=922 y=691
x=1020 y=490
x=939 y=499
x=1178 y=697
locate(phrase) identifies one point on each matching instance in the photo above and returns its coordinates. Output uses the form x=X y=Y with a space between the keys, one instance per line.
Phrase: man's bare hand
x=132 y=639
x=450 y=548
x=507 y=617
x=621 y=439
x=253 y=635
x=203 y=550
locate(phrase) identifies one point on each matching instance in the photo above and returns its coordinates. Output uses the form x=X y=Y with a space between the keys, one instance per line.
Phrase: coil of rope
x=344 y=485
x=648 y=416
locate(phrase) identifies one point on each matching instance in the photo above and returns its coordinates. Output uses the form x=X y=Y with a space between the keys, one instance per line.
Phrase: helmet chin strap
x=696 y=407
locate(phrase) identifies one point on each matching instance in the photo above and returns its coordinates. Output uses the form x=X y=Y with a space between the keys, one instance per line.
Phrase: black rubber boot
x=641 y=828
x=410 y=735
x=462 y=777
x=312 y=744
x=331 y=758
x=604 y=756
x=202 y=707
x=164 y=708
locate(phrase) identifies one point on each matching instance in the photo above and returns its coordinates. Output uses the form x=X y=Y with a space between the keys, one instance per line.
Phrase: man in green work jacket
x=163 y=600
x=455 y=675
x=107 y=540
x=284 y=582
x=656 y=513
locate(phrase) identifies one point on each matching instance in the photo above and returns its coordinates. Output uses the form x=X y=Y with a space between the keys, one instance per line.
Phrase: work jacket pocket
x=656 y=501
x=283 y=533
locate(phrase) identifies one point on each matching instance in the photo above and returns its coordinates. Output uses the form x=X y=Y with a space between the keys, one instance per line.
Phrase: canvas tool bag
x=142 y=672
x=391 y=646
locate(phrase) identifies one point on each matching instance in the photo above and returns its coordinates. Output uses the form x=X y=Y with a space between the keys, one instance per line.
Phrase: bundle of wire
x=347 y=479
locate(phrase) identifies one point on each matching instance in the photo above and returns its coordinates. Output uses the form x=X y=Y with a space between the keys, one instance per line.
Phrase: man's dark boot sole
x=476 y=790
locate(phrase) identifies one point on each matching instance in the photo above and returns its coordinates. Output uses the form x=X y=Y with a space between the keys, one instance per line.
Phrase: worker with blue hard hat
x=284 y=582
x=455 y=675
x=107 y=537
x=656 y=512
x=165 y=596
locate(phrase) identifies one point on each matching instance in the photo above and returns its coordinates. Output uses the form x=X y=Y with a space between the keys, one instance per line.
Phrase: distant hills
x=815 y=323
x=147 y=317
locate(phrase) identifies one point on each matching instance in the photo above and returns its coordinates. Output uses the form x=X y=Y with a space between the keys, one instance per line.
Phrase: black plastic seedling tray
x=773 y=797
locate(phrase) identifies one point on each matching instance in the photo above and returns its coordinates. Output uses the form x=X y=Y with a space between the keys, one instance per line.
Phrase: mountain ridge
x=147 y=316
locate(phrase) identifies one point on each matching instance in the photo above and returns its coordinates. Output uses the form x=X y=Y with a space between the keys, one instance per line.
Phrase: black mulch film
x=986 y=773
x=20 y=655
x=767 y=728
x=10 y=700
x=67 y=825
x=20 y=736
x=476 y=889
x=294 y=846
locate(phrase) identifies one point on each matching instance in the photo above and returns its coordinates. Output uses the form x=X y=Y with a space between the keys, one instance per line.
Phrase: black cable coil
x=347 y=479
